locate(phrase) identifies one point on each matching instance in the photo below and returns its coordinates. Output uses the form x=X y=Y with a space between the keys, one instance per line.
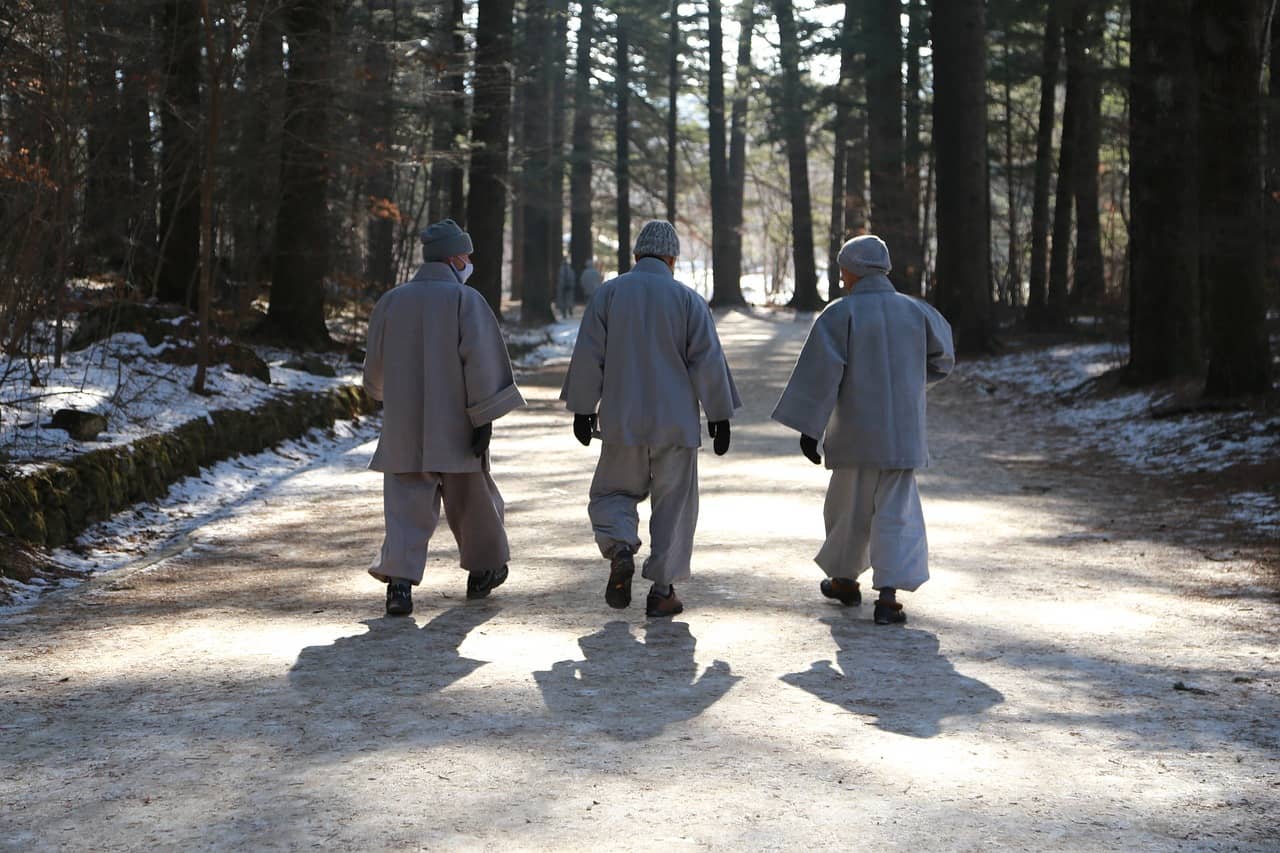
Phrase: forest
x=1034 y=165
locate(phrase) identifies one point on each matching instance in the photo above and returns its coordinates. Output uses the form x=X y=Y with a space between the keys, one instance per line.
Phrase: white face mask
x=464 y=273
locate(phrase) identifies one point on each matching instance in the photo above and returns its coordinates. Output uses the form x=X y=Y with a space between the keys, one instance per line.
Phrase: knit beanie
x=865 y=255
x=445 y=239
x=657 y=237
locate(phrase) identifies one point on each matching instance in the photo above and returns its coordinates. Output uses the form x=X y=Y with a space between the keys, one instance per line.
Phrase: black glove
x=809 y=447
x=480 y=439
x=583 y=426
x=719 y=430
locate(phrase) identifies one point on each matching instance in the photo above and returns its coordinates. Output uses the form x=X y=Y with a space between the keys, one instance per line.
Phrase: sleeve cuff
x=487 y=411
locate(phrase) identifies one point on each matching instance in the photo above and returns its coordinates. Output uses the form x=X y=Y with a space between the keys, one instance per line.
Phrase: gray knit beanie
x=445 y=239
x=657 y=237
x=865 y=255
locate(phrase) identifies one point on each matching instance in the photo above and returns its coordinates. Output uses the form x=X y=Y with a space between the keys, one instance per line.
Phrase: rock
x=153 y=322
x=238 y=357
x=82 y=426
x=313 y=364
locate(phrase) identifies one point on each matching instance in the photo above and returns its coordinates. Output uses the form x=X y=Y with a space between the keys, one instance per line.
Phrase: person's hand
x=809 y=447
x=583 y=427
x=480 y=437
x=719 y=430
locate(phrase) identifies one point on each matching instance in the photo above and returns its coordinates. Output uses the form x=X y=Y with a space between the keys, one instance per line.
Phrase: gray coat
x=647 y=354
x=437 y=360
x=862 y=374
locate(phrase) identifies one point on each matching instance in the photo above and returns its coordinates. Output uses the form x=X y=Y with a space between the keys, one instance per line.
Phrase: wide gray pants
x=668 y=476
x=411 y=507
x=874 y=519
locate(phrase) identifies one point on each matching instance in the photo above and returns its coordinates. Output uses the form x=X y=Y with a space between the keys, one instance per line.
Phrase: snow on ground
x=123 y=379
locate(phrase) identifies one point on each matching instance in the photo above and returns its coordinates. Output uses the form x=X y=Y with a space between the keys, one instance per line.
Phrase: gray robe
x=437 y=360
x=861 y=377
x=647 y=354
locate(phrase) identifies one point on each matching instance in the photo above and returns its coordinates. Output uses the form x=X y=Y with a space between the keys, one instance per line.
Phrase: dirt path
x=248 y=693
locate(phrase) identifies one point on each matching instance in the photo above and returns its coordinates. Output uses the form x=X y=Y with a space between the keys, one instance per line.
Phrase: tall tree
x=883 y=28
x=1013 y=275
x=490 y=123
x=722 y=288
x=376 y=129
x=673 y=92
x=446 y=198
x=179 y=154
x=622 y=138
x=559 y=116
x=1084 y=83
x=535 y=304
x=913 y=149
x=963 y=289
x=1231 y=224
x=302 y=260
x=1051 y=57
x=1055 y=312
x=1164 y=299
x=795 y=133
x=840 y=144
x=581 y=240
x=732 y=290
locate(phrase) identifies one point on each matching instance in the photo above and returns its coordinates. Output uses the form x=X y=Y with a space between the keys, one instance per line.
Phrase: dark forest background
x=1032 y=165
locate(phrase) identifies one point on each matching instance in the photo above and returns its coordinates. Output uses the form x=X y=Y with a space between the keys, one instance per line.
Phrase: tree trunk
x=140 y=198
x=376 y=128
x=490 y=122
x=732 y=288
x=840 y=145
x=446 y=198
x=559 y=114
x=303 y=238
x=722 y=292
x=673 y=91
x=912 y=265
x=1013 y=286
x=179 y=156
x=795 y=133
x=622 y=135
x=1271 y=193
x=1231 y=224
x=535 y=304
x=1164 y=299
x=581 y=240
x=1052 y=55
x=1055 y=313
x=1084 y=46
x=883 y=28
x=962 y=286
x=106 y=151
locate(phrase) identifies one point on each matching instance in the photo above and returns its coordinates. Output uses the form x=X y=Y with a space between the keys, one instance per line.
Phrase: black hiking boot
x=621 y=568
x=843 y=590
x=889 y=613
x=399 y=598
x=663 y=605
x=480 y=584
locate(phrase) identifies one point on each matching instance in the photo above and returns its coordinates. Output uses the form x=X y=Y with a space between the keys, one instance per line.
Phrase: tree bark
x=1013 y=286
x=912 y=149
x=490 y=123
x=1231 y=221
x=881 y=23
x=962 y=288
x=303 y=238
x=1164 y=310
x=1052 y=56
x=535 y=304
x=446 y=197
x=1084 y=46
x=376 y=130
x=673 y=91
x=581 y=240
x=179 y=154
x=559 y=115
x=732 y=289
x=622 y=136
x=795 y=133
x=840 y=145
x=722 y=292
x=1055 y=313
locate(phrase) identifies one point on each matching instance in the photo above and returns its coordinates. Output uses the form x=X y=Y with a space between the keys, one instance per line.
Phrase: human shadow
x=631 y=689
x=897 y=676
x=393 y=657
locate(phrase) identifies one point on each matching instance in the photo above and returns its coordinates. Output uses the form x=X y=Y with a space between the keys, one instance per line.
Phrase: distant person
x=861 y=379
x=564 y=290
x=647 y=354
x=590 y=279
x=437 y=360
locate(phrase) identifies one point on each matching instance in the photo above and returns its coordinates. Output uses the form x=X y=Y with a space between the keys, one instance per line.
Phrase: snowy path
x=248 y=694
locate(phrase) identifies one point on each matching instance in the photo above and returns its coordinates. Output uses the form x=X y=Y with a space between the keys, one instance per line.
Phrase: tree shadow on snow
x=631 y=689
x=895 y=675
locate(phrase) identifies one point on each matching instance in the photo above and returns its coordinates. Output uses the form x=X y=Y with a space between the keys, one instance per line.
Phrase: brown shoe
x=663 y=605
x=621 y=568
x=889 y=613
x=843 y=590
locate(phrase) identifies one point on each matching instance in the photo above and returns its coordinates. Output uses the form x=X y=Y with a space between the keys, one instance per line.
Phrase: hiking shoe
x=480 y=584
x=399 y=598
x=843 y=590
x=663 y=605
x=889 y=613
x=621 y=568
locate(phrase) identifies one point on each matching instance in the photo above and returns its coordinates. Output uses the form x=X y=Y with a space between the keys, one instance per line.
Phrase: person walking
x=564 y=290
x=647 y=355
x=861 y=379
x=437 y=361
x=590 y=279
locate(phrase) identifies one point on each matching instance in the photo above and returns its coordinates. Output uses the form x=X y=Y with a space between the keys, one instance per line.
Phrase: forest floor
x=1094 y=664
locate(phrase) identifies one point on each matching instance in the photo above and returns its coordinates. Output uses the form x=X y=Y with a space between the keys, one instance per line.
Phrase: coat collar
x=878 y=283
x=653 y=266
x=435 y=271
